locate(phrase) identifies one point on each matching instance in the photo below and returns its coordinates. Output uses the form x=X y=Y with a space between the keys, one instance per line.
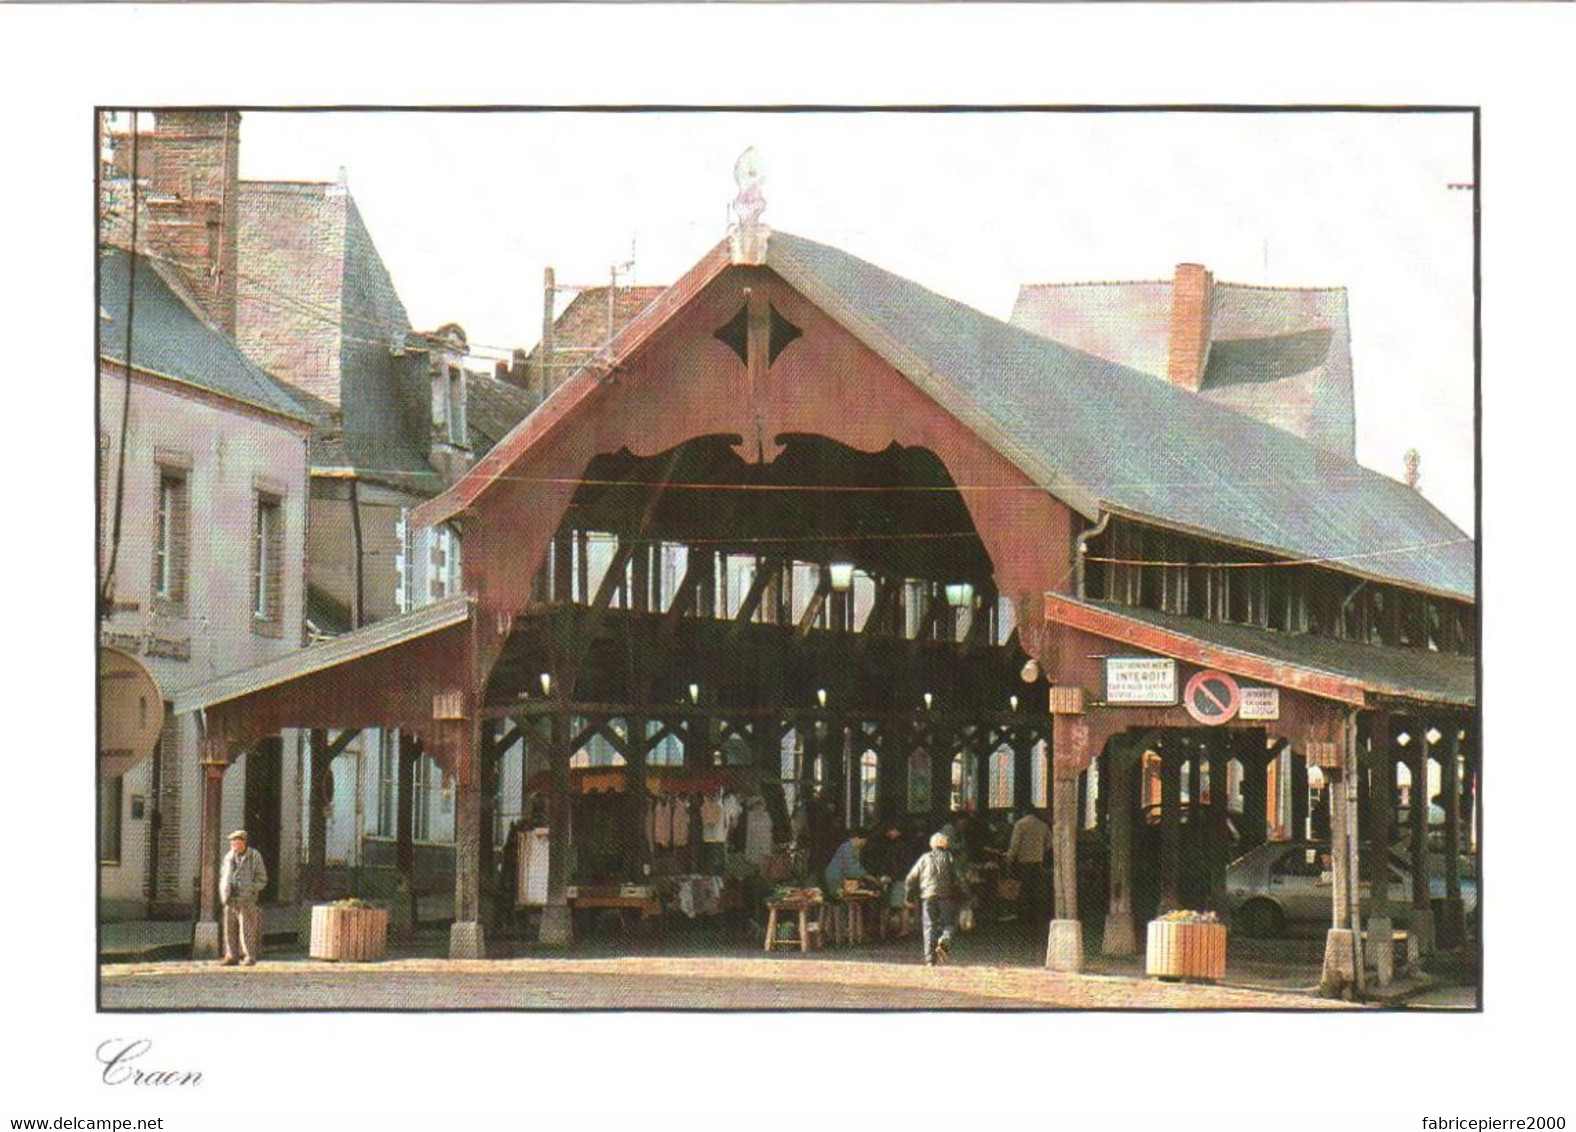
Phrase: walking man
x=241 y=881
x=1031 y=837
x=939 y=884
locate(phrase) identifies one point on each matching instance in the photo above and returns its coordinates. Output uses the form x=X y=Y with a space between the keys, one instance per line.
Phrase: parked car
x=1289 y=882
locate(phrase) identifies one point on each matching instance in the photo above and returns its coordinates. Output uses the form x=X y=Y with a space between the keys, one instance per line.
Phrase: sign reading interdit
x=1140 y=680
x=1259 y=702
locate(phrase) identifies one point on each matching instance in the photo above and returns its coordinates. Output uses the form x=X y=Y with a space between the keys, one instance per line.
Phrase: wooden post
x=1418 y=807
x=405 y=816
x=491 y=765
x=1342 y=975
x=1170 y=826
x=318 y=781
x=557 y=930
x=1119 y=937
x=459 y=742
x=214 y=758
x=1064 y=947
x=1381 y=800
x=1255 y=761
x=1299 y=796
x=1218 y=837
x=1452 y=919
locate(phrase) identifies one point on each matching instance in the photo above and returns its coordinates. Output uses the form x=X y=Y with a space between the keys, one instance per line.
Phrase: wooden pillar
x=318 y=783
x=405 y=816
x=1218 y=838
x=1170 y=826
x=458 y=741
x=1064 y=947
x=1342 y=975
x=1378 y=814
x=213 y=756
x=491 y=765
x=1255 y=761
x=556 y=929
x=1452 y=918
x=1299 y=795
x=1422 y=907
x=1119 y=937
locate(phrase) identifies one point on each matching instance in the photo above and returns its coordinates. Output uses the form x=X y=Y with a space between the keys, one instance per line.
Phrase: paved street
x=778 y=983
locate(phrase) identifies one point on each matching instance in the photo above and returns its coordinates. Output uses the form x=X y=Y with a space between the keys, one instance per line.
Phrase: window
x=110 y=788
x=388 y=784
x=170 y=543
x=267 y=562
x=1039 y=776
x=421 y=798
x=965 y=781
x=869 y=772
x=443 y=575
x=456 y=413
x=448 y=405
x=919 y=782
x=1001 y=774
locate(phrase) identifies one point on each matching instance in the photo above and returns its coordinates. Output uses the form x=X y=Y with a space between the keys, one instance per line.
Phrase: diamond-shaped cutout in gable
x=783 y=334
x=735 y=334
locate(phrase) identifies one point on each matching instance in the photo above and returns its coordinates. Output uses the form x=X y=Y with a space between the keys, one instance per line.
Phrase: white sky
x=468 y=208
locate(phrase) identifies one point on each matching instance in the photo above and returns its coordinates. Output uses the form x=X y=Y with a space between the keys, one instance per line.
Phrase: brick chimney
x=190 y=170
x=1191 y=297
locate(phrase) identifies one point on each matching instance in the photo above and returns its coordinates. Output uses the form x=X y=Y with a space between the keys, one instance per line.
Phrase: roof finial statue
x=1411 y=460
x=747 y=236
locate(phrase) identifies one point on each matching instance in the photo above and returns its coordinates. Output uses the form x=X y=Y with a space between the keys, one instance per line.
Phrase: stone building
x=208 y=568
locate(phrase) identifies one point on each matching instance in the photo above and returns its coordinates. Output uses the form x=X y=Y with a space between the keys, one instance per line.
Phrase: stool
x=809 y=929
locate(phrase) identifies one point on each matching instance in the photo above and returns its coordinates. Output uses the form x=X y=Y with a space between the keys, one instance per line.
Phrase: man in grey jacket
x=939 y=884
x=241 y=881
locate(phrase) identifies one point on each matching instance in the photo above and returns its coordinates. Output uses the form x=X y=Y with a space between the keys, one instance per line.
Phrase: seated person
x=845 y=863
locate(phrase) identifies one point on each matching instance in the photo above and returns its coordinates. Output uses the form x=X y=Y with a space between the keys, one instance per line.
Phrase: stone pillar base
x=1451 y=929
x=467 y=940
x=557 y=930
x=1381 y=949
x=206 y=942
x=1120 y=937
x=1423 y=930
x=1339 y=977
x=1064 y=948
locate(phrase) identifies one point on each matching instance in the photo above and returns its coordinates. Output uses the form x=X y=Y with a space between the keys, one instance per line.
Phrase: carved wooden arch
x=686 y=384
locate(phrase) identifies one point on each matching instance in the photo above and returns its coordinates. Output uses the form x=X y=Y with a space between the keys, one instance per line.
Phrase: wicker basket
x=348 y=934
x=1179 y=950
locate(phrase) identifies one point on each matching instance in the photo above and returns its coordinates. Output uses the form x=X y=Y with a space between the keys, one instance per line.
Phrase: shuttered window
x=171 y=543
x=267 y=565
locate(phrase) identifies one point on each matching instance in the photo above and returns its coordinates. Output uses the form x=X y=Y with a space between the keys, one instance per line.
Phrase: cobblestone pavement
x=759 y=983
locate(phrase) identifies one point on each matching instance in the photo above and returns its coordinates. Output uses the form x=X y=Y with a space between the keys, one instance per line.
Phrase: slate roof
x=582 y=327
x=1281 y=354
x=1384 y=670
x=1102 y=436
x=170 y=338
x=492 y=408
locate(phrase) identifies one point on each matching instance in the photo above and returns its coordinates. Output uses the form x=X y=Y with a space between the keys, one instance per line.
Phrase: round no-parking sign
x=1212 y=698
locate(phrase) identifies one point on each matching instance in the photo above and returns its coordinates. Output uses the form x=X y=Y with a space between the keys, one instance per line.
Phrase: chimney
x=191 y=168
x=1411 y=461
x=1191 y=295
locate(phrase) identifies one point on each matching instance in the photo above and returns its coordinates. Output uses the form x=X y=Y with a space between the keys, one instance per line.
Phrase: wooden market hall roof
x=1097 y=435
x=1360 y=674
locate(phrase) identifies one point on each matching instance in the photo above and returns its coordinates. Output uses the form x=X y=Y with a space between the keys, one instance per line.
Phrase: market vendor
x=846 y=863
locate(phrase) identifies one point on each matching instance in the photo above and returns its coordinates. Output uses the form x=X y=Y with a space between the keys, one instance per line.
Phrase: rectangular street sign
x=1140 y=680
x=1259 y=703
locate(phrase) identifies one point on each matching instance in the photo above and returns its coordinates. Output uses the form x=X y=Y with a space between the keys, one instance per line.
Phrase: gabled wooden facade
x=771 y=508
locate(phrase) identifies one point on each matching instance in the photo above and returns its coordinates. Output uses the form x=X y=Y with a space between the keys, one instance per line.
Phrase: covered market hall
x=812 y=540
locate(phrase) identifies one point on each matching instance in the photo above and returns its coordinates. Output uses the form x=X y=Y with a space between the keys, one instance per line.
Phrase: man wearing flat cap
x=241 y=881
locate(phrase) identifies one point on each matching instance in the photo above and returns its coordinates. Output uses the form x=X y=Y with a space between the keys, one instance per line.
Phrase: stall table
x=808 y=929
